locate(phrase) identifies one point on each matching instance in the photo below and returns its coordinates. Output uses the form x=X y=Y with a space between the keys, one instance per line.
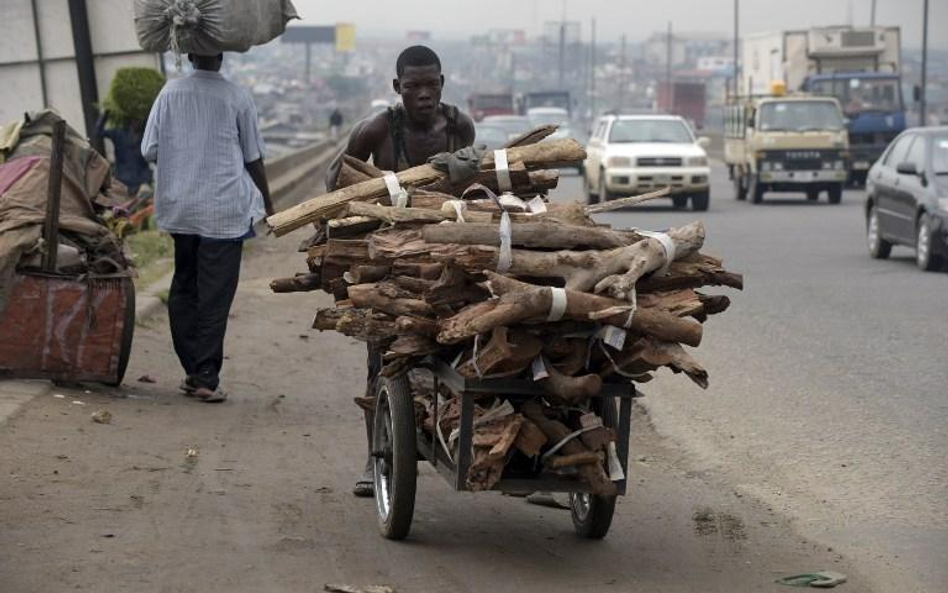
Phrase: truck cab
x=786 y=143
x=875 y=112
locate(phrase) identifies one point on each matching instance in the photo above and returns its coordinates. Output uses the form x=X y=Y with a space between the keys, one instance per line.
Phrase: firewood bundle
x=505 y=287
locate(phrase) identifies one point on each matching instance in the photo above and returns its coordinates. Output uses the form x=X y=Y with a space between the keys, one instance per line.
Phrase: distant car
x=493 y=137
x=556 y=116
x=633 y=154
x=907 y=197
x=514 y=125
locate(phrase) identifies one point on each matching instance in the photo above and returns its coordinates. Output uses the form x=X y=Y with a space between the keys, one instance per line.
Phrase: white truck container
x=38 y=63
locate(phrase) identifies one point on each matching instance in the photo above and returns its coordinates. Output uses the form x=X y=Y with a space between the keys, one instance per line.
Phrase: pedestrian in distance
x=401 y=137
x=211 y=189
x=335 y=123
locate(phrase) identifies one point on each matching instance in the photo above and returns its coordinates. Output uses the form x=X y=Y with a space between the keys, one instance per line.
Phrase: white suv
x=633 y=154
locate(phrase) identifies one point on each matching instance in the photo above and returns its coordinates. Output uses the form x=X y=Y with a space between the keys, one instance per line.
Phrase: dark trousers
x=202 y=290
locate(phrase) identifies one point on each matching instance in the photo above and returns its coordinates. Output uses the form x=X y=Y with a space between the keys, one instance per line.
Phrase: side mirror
x=704 y=142
x=906 y=168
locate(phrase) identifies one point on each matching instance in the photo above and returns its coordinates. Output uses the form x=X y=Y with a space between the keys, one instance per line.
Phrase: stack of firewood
x=508 y=286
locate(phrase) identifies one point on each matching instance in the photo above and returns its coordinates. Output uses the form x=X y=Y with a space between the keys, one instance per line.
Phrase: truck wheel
x=754 y=189
x=604 y=194
x=835 y=193
x=700 y=201
x=924 y=258
x=812 y=195
x=740 y=187
x=592 y=513
x=395 y=454
x=879 y=248
x=679 y=202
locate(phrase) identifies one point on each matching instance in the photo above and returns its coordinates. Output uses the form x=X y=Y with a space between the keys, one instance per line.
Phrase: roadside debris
x=147 y=379
x=102 y=417
x=826 y=579
x=341 y=588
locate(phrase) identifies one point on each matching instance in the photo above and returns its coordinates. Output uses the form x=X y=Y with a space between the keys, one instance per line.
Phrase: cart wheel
x=395 y=452
x=592 y=513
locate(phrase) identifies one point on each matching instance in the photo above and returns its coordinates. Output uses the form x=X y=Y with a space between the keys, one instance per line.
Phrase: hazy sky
x=636 y=18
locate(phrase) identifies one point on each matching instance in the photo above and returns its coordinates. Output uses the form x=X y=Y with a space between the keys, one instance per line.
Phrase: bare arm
x=466 y=131
x=259 y=175
x=363 y=140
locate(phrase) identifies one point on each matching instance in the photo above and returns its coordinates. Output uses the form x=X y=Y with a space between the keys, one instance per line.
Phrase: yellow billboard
x=345 y=37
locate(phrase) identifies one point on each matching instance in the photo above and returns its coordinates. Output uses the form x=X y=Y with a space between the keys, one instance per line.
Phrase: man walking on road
x=402 y=137
x=211 y=188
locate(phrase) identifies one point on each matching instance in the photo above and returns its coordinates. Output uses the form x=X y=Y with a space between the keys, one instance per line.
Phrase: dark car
x=907 y=197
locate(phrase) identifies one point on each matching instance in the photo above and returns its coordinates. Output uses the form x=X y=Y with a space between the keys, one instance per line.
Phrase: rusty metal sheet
x=68 y=329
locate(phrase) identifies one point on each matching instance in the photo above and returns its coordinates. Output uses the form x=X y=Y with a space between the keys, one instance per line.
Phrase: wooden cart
x=397 y=444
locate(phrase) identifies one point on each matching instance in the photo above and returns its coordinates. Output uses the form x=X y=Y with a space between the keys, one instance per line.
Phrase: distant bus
x=482 y=105
x=559 y=99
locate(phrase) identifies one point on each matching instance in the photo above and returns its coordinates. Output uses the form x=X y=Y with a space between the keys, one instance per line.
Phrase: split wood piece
x=570 y=390
x=349 y=175
x=507 y=352
x=411 y=345
x=428 y=271
x=680 y=303
x=298 y=283
x=522 y=181
x=362 y=324
x=582 y=458
x=399 y=366
x=530 y=439
x=545 y=154
x=455 y=287
x=331 y=275
x=520 y=302
x=410 y=324
x=573 y=362
x=394 y=215
x=597 y=438
x=626 y=202
x=647 y=355
x=351 y=226
x=368 y=273
x=416 y=286
x=388 y=298
x=693 y=271
x=615 y=270
x=593 y=474
x=491 y=441
x=538 y=235
x=532 y=136
x=362 y=168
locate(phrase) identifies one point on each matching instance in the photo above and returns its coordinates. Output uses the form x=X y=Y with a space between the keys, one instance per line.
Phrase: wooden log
x=394 y=215
x=592 y=474
x=541 y=235
x=507 y=352
x=693 y=271
x=520 y=302
x=648 y=354
x=351 y=226
x=523 y=182
x=411 y=324
x=428 y=271
x=364 y=274
x=298 y=283
x=362 y=324
x=382 y=297
x=545 y=154
x=570 y=390
x=416 y=286
x=532 y=136
x=530 y=440
x=455 y=287
x=581 y=458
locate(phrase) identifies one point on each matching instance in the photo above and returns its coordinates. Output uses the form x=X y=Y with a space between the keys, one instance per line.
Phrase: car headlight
x=697 y=161
x=618 y=161
x=943 y=204
x=840 y=164
x=766 y=166
x=778 y=166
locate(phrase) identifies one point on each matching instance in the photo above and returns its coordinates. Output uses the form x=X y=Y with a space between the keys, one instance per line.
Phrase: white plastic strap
x=615 y=468
x=505 y=259
x=398 y=195
x=667 y=245
x=458 y=206
x=502 y=169
x=558 y=305
x=536 y=205
x=633 y=305
x=539 y=369
x=567 y=439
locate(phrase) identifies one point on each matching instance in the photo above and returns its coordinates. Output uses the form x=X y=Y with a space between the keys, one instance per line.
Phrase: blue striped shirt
x=201 y=131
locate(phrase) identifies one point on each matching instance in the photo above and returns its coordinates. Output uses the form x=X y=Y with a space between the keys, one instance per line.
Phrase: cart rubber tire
x=395 y=419
x=128 y=332
x=592 y=513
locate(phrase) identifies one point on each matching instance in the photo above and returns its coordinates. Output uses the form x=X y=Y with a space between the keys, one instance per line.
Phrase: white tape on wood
x=503 y=170
x=558 y=304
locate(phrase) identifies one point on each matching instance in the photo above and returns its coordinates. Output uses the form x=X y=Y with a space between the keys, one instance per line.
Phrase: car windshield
x=940 y=155
x=650 y=130
x=799 y=116
x=549 y=118
x=492 y=102
x=492 y=136
x=512 y=125
x=860 y=95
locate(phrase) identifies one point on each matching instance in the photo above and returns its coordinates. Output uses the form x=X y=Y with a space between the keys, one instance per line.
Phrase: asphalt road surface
x=829 y=379
x=253 y=495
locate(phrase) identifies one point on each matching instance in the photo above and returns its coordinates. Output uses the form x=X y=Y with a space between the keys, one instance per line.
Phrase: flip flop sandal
x=824 y=580
x=364 y=489
x=186 y=388
x=210 y=397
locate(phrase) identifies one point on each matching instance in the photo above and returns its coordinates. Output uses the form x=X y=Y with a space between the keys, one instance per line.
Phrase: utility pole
x=669 y=100
x=562 y=51
x=872 y=15
x=592 y=69
x=921 y=102
x=622 y=83
x=737 y=67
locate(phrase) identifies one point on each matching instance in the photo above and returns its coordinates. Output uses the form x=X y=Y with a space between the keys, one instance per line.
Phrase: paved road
x=263 y=504
x=829 y=378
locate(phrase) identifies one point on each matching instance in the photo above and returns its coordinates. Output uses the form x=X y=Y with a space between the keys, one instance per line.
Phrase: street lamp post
x=921 y=99
x=737 y=69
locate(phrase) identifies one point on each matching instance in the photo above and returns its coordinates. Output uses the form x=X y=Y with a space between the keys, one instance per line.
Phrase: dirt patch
x=709 y=522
